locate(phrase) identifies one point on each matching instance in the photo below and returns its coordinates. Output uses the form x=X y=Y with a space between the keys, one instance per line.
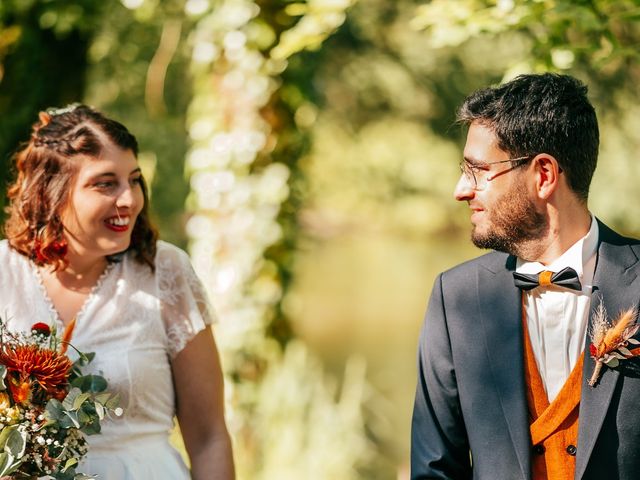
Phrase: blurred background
x=304 y=153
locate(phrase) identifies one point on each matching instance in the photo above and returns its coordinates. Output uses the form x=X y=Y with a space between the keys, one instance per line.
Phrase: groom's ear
x=547 y=171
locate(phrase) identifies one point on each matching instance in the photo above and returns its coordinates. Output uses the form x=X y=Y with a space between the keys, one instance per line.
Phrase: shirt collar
x=576 y=257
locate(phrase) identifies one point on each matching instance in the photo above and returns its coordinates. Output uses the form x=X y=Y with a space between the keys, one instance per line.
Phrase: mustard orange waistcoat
x=554 y=427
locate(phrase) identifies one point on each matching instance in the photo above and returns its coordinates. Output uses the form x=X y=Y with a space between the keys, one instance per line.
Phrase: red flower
x=593 y=350
x=41 y=328
x=30 y=363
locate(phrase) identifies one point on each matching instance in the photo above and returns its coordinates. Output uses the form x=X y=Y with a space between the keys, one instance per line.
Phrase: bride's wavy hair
x=45 y=169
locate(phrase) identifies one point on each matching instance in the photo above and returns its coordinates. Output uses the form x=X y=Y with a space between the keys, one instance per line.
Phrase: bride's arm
x=198 y=381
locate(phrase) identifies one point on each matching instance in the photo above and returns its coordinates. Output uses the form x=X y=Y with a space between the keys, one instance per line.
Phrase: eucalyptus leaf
x=84 y=359
x=66 y=422
x=5 y=433
x=87 y=358
x=8 y=464
x=102 y=398
x=70 y=399
x=5 y=462
x=612 y=363
x=633 y=341
x=83 y=417
x=89 y=408
x=91 y=428
x=625 y=351
x=74 y=418
x=99 y=410
x=16 y=443
x=79 y=400
x=69 y=474
x=72 y=462
x=54 y=411
x=113 y=402
x=90 y=383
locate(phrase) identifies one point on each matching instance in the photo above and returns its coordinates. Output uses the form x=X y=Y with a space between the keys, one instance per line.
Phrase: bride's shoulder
x=164 y=249
x=170 y=256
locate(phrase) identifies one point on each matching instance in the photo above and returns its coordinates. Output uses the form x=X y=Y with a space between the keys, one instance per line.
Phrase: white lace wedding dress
x=135 y=321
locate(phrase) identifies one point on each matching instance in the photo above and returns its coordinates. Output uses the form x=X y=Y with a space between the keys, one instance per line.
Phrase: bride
x=80 y=250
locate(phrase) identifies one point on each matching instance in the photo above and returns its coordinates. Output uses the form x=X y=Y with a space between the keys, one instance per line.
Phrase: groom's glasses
x=478 y=173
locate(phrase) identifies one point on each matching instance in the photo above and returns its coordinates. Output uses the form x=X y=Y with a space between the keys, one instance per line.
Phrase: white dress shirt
x=557 y=317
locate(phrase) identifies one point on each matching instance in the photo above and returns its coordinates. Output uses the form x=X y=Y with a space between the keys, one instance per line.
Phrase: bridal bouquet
x=46 y=405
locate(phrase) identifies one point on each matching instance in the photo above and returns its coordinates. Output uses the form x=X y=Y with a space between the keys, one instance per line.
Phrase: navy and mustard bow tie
x=567 y=277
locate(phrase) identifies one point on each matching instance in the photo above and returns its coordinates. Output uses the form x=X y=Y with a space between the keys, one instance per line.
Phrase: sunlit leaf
x=70 y=399
x=16 y=443
x=71 y=462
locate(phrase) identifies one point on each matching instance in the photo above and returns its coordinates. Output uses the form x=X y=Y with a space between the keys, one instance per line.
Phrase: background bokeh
x=305 y=154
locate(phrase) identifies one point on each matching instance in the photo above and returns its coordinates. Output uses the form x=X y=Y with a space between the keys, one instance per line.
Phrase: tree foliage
x=43 y=63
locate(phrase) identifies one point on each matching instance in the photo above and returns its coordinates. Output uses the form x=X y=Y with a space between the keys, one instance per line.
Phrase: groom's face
x=503 y=211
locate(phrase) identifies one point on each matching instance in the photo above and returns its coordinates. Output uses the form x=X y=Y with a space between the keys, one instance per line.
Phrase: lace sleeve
x=184 y=305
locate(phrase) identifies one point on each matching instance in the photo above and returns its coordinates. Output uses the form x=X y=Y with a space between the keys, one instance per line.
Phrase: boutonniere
x=610 y=340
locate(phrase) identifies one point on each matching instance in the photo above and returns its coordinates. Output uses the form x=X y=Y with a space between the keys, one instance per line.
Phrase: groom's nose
x=464 y=190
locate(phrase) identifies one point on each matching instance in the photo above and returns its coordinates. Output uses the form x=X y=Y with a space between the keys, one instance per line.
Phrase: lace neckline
x=87 y=301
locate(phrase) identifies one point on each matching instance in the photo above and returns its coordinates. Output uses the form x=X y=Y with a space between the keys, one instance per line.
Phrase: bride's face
x=104 y=202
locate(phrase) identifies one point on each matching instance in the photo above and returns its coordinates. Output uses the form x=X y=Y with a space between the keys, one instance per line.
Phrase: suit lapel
x=500 y=310
x=616 y=285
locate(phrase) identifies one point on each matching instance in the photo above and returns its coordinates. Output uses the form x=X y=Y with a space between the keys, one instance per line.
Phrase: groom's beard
x=514 y=223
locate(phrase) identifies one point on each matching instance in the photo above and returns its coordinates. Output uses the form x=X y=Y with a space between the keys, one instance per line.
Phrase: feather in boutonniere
x=610 y=340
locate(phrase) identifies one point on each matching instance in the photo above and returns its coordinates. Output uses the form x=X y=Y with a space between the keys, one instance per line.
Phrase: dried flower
x=609 y=340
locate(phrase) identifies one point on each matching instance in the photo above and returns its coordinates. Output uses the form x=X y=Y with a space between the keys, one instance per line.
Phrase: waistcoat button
x=571 y=450
x=538 y=449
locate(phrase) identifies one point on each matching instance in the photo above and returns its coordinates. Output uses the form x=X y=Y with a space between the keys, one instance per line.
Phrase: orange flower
x=4 y=401
x=47 y=368
x=20 y=391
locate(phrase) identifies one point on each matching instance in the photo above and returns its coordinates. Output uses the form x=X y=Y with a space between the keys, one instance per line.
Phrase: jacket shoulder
x=608 y=235
x=492 y=261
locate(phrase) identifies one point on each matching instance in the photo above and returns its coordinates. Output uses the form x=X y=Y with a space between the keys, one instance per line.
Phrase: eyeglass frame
x=470 y=167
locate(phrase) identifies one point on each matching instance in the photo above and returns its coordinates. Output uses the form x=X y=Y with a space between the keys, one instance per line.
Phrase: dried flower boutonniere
x=610 y=340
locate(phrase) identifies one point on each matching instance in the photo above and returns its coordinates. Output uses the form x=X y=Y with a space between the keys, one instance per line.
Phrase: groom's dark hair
x=546 y=113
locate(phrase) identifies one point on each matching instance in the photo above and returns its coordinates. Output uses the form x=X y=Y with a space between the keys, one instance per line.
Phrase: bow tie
x=567 y=277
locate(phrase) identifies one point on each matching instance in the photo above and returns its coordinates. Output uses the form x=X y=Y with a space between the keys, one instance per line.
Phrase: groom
x=504 y=358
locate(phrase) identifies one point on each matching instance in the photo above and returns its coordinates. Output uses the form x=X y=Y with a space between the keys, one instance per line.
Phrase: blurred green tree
x=138 y=73
x=131 y=63
x=594 y=40
x=43 y=63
